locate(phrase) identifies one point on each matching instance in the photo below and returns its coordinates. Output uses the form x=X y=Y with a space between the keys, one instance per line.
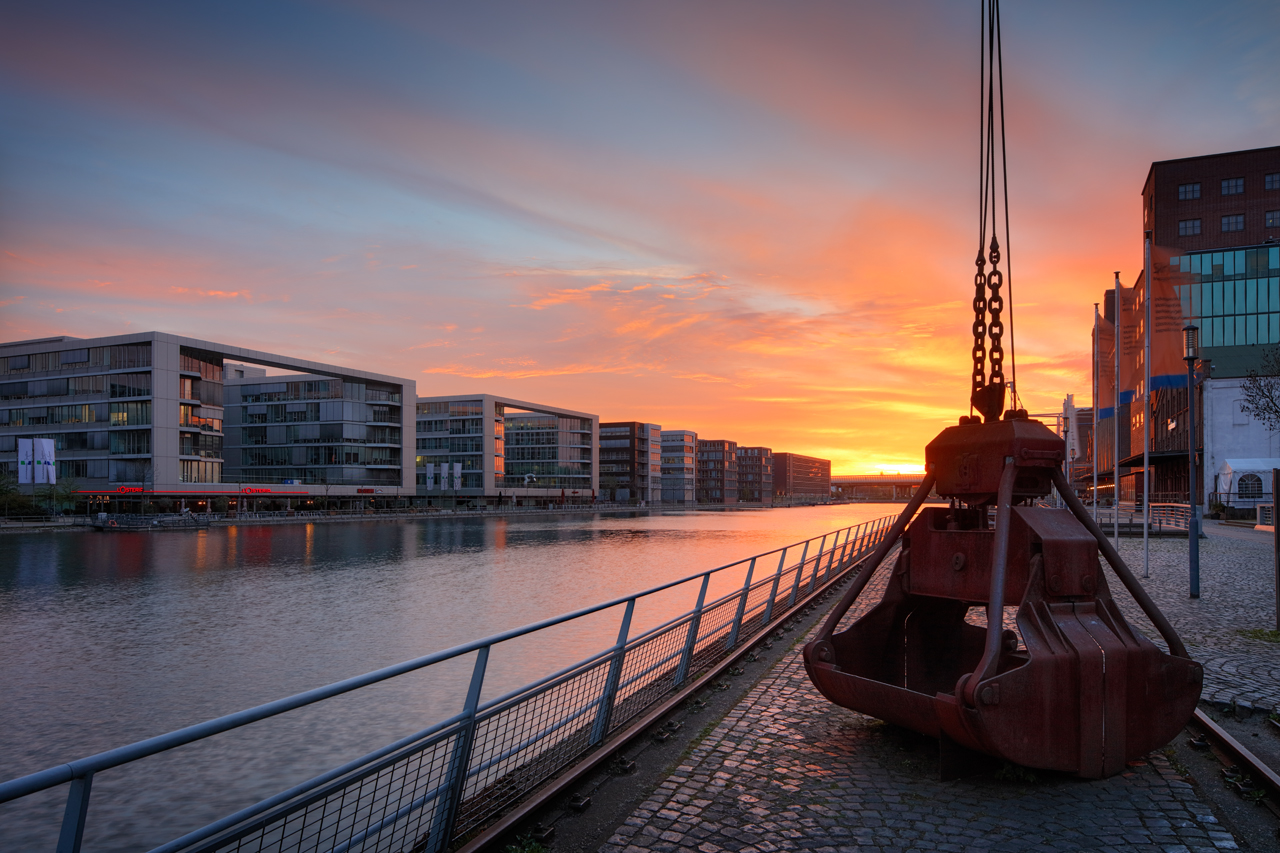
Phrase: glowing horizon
x=753 y=222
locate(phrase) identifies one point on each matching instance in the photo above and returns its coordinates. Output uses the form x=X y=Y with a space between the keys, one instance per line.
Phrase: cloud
x=751 y=220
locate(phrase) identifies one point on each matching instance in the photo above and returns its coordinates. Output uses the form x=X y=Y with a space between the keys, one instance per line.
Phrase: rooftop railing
x=447 y=783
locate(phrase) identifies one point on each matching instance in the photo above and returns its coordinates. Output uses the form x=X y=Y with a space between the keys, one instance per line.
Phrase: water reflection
x=107 y=638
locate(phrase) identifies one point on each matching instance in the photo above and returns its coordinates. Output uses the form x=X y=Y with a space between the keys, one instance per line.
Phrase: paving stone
x=788 y=771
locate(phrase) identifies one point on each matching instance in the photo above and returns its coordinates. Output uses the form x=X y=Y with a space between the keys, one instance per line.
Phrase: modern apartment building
x=631 y=462
x=716 y=466
x=755 y=475
x=1215 y=227
x=801 y=479
x=484 y=450
x=157 y=415
x=679 y=474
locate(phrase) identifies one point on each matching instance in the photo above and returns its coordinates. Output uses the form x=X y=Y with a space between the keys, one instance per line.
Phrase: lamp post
x=1190 y=350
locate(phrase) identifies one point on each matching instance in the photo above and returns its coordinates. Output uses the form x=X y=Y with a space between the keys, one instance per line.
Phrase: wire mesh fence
x=437 y=788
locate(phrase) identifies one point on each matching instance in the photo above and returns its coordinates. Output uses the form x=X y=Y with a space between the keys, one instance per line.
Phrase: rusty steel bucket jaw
x=1075 y=688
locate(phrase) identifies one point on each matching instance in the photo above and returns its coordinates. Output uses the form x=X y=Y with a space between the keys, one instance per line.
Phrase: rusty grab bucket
x=1075 y=688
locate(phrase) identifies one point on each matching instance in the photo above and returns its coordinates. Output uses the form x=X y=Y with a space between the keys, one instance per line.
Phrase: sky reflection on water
x=109 y=638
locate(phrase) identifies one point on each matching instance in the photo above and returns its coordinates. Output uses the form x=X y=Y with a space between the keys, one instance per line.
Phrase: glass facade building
x=717 y=471
x=313 y=431
x=1233 y=296
x=631 y=462
x=156 y=414
x=755 y=475
x=679 y=474
x=484 y=450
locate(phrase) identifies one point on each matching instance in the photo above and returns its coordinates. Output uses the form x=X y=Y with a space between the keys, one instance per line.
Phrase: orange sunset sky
x=754 y=220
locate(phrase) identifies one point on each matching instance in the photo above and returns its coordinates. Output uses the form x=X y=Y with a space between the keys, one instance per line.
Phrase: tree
x=1262 y=391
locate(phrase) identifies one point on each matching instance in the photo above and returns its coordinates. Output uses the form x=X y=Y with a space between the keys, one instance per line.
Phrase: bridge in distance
x=875 y=487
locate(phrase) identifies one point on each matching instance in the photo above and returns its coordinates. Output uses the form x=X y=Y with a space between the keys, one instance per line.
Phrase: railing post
x=73 y=818
x=773 y=592
x=442 y=824
x=742 y=606
x=844 y=550
x=795 y=586
x=817 y=562
x=691 y=642
x=610 y=693
x=831 y=560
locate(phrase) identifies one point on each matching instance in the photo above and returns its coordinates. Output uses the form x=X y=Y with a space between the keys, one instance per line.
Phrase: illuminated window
x=1187 y=192
x=1188 y=227
x=1233 y=186
x=1273 y=218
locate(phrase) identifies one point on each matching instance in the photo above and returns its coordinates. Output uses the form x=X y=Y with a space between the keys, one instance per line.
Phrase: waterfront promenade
x=786 y=770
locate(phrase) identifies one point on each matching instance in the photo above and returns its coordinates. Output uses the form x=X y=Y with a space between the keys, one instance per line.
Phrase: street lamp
x=1190 y=351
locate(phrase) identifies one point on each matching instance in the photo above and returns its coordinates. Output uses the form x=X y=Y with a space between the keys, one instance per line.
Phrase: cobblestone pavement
x=787 y=770
x=1237 y=592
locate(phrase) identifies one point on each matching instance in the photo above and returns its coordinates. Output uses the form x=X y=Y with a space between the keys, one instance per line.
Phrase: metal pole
x=447 y=809
x=773 y=592
x=73 y=818
x=1193 y=526
x=691 y=641
x=795 y=587
x=1146 y=409
x=610 y=692
x=817 y=562
x=1096 y=409
x=742 y=605
x=1115 y=477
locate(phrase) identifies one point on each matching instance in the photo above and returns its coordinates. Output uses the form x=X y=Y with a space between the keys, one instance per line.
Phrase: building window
x=1188 y=227
x=1233 y=223
x=1233 y=186
x=1186 y=192
x=1273 y=218
x=1273 y=181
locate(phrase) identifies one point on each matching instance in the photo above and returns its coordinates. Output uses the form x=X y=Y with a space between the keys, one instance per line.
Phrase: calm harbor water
x=106 y=639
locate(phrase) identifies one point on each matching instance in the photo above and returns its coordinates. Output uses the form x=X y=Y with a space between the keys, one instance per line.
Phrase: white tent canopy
x=1231 y=470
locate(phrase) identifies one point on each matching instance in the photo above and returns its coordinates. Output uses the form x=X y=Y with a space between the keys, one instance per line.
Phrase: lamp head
x=1190 y=342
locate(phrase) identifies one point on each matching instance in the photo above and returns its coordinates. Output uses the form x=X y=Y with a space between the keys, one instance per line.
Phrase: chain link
x=995 y=304
x=979 y=323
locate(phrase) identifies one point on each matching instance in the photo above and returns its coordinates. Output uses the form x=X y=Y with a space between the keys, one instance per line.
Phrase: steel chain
x=979 y=323
x=995 y=304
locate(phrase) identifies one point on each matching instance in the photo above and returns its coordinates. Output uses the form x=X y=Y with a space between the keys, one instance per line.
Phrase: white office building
x=155 y=417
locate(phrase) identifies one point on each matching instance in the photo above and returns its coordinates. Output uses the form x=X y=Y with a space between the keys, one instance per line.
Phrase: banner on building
x=26 y=461
x=1168 y=370
x=1130 y=325
x=1105 y=347
x=430 y=468
x=457 y=475
x=46 y=464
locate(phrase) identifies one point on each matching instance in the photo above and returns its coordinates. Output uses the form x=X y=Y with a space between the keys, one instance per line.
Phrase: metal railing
x=430 y=790
x=1236 y=500
x=1164 y=516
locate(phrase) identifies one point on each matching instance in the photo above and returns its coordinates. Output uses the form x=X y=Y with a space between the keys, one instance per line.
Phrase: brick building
x=1217 y=220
